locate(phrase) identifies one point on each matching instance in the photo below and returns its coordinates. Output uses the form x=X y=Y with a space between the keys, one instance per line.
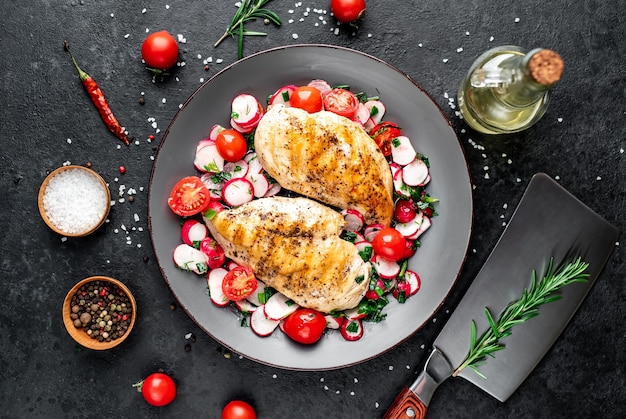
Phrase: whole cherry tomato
x=238 y=409
x=389 y=243
x=342 y=102
x=305 y=325
x=239 y=283
x=189 y=197
x=410 y=248
x=160 y=50
x=308 y=98
x=231 y=145
x=158 y=389
x=347 y=11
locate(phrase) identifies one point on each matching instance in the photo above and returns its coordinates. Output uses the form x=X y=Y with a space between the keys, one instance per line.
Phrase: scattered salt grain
x=294 y=36
x=517 y=19
x=445 y=60
x=460 y=49
x=74 y=201
x=560 y=119
x=69 y=141
x=390 y=367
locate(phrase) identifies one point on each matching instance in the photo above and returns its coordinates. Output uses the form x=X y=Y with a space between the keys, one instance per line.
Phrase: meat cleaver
x=548 y=223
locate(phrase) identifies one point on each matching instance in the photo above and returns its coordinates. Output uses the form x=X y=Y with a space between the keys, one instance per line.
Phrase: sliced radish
x=322 y=85
x=376 y=110
x=207 y=158
x=246 y=111
x=214 y=253
x=386 y=268
x=282 y=95
x=363 y=246
x=237 y=192
x=189 y=258
x=426 y=223
x=260 y=324
x=193 y=231
x=254 y=165
x=402 y=151
x=425 y=181
x=245 y=306
x=354 y=219
x=415 y=173
x=399 y=186
x=273 y=190
x=214 y=281
x=362 y=114
x=412 y=227
x=213 y=184
x=352 y=330
x=369 y=125
x=258 y=296
x=333 y=322
x=414 y=281
x=232 y=265
x=236 y=169
x=215 y=130
x=354 y=314
x=260 y=184
x=371 y=231
x=239 y=128
x=278 y=306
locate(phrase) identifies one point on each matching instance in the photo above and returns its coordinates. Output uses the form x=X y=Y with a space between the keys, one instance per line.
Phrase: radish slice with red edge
x=333 y=322
x=353 y=314
x=369 y=125
x=239 y=128
x=354 y=219
x=362 y=114
x=278 y=306
x=386 y=268
x=215 y=130
x=254 y=165
x=322 y=85
x=283 y=95
x=214 y=281
x=236 y=169
x=237 y=192
x=399 y=186
x=260 y=184
x=260 y=324
x=245 y=306
x=363 y=246
x=189 y=258
x=426 y=223
x=402 y=151
x=351 y=330
x=207 y=158
x=371 y=231
x=246 y=111
x=273 y=190
x=413 y=280
x=193 y=231
x=258 y=296
x=412 y=227
x=415 y=173
x=376 y=110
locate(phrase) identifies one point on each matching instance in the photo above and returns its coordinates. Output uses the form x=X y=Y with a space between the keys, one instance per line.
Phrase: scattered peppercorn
x=206 y=68
x=142 y=101
x=131 y=199
x=187 y=347
x=146 y=259
x=173 y=306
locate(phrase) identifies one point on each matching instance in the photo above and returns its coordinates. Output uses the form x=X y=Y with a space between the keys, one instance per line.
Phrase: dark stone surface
x=580 y=141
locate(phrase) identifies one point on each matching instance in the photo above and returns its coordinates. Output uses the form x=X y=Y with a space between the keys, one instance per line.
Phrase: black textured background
x=47 y=119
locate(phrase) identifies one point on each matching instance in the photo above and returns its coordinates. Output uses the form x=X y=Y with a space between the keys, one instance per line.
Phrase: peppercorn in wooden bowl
x=99 y=312
x=74 y=201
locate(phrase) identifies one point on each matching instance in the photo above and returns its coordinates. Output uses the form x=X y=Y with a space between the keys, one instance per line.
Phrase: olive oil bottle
x=507 y=90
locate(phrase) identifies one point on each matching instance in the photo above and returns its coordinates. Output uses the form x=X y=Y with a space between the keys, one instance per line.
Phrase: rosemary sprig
x=248 y=10
x=540 y=292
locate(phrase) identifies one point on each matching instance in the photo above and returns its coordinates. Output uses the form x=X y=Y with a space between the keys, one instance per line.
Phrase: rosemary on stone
x=540 y=292
x=248 y=10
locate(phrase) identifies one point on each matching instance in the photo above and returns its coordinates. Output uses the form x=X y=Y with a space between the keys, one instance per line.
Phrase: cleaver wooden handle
x=406 y=406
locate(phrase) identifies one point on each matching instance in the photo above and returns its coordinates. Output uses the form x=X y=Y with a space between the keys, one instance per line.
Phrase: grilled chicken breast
x=326 y=157
x=293 y=245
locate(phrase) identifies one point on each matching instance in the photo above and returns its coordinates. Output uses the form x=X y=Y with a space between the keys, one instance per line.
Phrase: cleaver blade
x=548 y=222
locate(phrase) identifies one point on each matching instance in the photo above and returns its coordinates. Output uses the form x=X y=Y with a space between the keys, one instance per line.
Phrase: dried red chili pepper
x=99 y=100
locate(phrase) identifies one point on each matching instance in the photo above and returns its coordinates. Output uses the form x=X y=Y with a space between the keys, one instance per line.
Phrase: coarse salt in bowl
x=74 y=201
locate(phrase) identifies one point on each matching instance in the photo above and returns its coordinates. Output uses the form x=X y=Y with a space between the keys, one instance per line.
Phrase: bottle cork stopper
x=546 y=67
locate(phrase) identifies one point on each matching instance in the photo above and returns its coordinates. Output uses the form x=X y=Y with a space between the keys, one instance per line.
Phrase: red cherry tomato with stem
x=238 y=409
x=308 y=98
x=347 y=11
x=231 y=145
x=160 y=50
x=158 y=389
x=342 y=102
x=189 y=197
x=389 y=243
x=239 y=283
x=305 y=325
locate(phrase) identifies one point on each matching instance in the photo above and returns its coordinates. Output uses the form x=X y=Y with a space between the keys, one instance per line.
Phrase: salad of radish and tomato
x=229 y=175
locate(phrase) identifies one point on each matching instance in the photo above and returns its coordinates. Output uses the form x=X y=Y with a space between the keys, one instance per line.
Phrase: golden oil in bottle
x=507 y=90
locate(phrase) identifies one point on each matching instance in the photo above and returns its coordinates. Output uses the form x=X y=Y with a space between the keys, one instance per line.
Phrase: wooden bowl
x=88 y=229
x=78 y=333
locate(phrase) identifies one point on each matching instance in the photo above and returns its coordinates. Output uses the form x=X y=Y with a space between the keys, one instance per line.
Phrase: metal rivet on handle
x=410 y=412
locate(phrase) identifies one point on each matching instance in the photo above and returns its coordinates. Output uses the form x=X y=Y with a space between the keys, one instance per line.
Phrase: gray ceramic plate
x=444 y=246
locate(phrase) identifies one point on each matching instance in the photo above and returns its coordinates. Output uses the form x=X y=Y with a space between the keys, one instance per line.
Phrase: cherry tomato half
x=189 y=196
x=305 y=325
x=383 y=133
x=308 y=98
x=239 y=283
x=160 y=50
x=238 y=409
x=158 y=389
x=342 y=102
x=347 y=11
x=231 y=145
x=389 y=243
